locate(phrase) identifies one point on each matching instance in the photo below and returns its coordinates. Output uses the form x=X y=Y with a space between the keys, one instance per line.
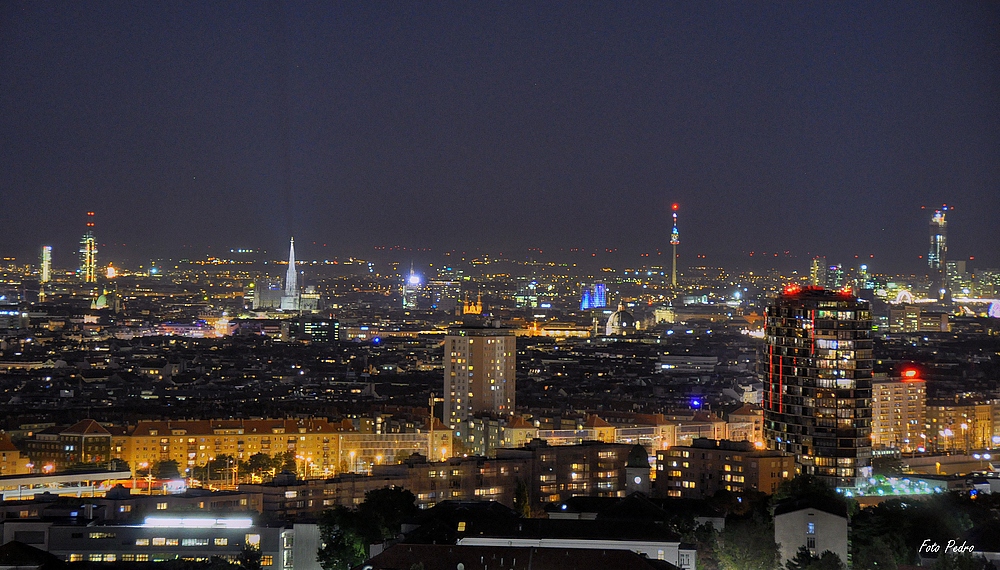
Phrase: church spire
x=291 y=276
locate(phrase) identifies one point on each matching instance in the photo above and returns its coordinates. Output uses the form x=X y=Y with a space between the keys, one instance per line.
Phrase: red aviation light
x=792 y=289
x=911 y=375
x=675 y=207
x=847 y=291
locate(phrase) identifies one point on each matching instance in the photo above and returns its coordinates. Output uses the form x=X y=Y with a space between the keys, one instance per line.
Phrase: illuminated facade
x=817 y=375
x=290 y=293
x=88 y=252
x=899 y=412
x=45 y=274
x=594 y=296
x=322 y=448
x=479 y=369
x=412 y=289
x=959 y=426
x=937 y=256
x=817 y=272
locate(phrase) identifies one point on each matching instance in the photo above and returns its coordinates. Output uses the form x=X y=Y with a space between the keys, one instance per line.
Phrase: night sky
x=816 y=127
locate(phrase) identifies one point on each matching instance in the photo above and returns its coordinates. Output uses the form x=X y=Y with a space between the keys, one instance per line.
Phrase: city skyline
x=782 y=260
x=817 y=129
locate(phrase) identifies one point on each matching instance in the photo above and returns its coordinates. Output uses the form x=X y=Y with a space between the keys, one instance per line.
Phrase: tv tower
x=675 y=240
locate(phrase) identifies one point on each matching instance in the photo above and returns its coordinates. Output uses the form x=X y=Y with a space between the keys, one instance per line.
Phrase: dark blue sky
x=813 y=127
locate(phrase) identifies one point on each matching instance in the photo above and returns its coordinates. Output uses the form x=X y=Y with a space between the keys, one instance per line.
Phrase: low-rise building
x=817 y=527
x=708 y=466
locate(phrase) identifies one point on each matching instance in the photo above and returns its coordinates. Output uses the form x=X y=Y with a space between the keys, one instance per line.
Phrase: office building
x=817 y=375
x=708 y=466
x=817 y=272
x=312 y=329
x=594 y=296
x=937 y=256
x=899 y=412
x=834 y=277
x=177 y=536
x=45 y=273
x=479 y=369
x=915 y=318
x=88 y=252
x=444 y=295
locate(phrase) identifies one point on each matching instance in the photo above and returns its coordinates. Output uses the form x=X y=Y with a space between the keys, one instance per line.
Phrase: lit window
x=222 y=542
x=252 y=539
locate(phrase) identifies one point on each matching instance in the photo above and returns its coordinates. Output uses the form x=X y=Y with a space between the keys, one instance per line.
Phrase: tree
x=875 y=552
x=341 y=545
x=385 y=509
x=804 y=560
x=250 y=557
x=748 y=545
x=258 y=463
x=220 y=468
x=346 y=533
x=168 y=469
x=963 y=561
x=522 y=503
x=285 y=461
x=706 y=540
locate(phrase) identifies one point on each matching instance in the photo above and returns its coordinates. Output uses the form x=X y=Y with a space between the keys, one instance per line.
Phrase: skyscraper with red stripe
x=817 y=375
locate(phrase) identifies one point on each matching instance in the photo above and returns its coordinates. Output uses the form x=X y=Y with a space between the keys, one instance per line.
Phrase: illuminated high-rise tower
x=290 y=295
x=88 y=252
x=45 y=275
x=675 y=240
x=817 y=272
x=938 y=254
x=817 y=376
x=479 y=373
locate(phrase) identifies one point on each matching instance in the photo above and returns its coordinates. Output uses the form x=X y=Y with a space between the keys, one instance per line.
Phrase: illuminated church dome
x=621 y=322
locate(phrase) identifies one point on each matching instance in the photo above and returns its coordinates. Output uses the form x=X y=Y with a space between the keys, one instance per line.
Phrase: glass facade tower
x=937 y=256
x=817 y=374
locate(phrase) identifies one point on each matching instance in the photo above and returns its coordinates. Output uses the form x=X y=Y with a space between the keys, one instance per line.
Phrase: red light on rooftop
x=792 y=289
x=910 y=373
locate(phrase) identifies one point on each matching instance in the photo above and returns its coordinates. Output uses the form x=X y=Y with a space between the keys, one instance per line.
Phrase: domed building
x=620 y=323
